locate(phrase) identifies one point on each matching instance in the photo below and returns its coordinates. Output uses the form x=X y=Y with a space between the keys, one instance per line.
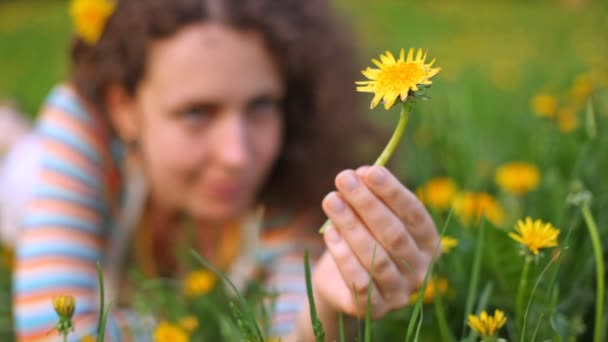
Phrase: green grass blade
x=248 y=312
x=104 y=319
x=473 y=285
x=368 y=302
x=482 y=304
x=444 y=329
x=419 y=326
x=100 y=323
x=317 y=326
x=538 y=280
x=341 y=327
x=418 y=306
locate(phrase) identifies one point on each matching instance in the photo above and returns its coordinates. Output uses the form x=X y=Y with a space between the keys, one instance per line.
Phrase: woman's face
x=209 y=121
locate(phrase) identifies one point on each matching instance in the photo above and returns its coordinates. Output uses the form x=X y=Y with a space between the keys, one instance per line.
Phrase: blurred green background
x=510 y=45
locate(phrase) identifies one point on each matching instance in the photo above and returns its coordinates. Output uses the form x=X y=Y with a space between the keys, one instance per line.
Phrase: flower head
x=438 y=193
x=439 y=285
x=582 y=88
x=544 y=105
x=567 y=120
x=189 y=323
x=395 y=78
x=199 y=283
x=535 y=234
x=517 y=178
x=90 y=17
x=167 y=332
x=487 y=325
x=64 y=306
x=471 y=206
x=448 y=243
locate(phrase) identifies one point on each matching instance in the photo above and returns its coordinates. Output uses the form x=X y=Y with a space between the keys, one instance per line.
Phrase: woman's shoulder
x=67 y=117
x=64 y=99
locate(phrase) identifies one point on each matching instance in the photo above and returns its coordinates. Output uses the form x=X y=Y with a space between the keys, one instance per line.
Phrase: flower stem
x=597 y=251
x=386 y=154
x=523 y=283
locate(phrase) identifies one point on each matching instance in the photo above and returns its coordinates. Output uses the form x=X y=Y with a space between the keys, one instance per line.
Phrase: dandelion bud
x=64 y=306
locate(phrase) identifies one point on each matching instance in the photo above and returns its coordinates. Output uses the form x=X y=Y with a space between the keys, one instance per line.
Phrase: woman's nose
x=230 y=141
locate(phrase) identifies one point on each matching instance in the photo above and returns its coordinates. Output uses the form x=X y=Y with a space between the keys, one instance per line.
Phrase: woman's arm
x=62 y=234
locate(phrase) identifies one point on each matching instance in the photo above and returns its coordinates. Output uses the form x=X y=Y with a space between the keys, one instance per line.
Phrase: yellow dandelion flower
x=438 y=193
x=439 y=285
x=486 y=325
x=90 y=17
x=199 y=283
x=535 y=234
x=544 y=105
x=582 y=88
x=88 y=338
x=471 y=206
x=395 y=78
x=567 y=120
x=167 y=332
x=517 y=177
x=189 y=323
x=448 y=243
x=64 y=306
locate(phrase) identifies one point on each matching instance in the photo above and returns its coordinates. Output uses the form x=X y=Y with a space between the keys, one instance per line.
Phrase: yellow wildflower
x=582 y=88
x=64 y=306
x=448 y=243
x=189 y=323
x=567 y=120
x=90 y=17
x=395 y=78
x=438 y=193
x=199 y=283
x=487 y=325
x=471 y=206
x=167 y=332
x=88 y=338
x=517 y=178
x=535 y=234
x=439 y=285
x=544 y=105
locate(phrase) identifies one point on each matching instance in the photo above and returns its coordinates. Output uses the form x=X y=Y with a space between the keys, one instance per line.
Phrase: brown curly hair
x=314 y=50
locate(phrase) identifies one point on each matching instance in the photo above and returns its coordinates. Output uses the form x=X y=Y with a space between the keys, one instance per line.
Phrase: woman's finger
x=405 y=205
x=386 y=274
x=379 y=222
x=355 y=277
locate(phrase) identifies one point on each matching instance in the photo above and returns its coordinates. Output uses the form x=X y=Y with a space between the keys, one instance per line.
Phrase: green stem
x=444 y=329
x=386 y=154
x=523 y=284
x=597 y=251
x=65 y=337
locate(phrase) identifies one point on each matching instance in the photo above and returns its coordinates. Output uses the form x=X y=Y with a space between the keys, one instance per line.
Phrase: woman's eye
x=196 y=114
x=263 y=106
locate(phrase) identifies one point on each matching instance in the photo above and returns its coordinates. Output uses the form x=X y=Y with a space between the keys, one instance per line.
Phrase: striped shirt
x=68 y=224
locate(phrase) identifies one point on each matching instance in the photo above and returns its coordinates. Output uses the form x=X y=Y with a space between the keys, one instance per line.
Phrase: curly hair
x=315 y=53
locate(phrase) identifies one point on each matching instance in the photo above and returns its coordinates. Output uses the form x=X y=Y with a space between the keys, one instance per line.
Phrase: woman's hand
x=371 y=210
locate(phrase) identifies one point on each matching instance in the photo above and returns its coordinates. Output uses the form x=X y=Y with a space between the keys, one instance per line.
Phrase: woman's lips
x=225 y=191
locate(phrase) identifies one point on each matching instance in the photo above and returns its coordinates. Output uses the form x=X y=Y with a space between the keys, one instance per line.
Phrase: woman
x=197 y=111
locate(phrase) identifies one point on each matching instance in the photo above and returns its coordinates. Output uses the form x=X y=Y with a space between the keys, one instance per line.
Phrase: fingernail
x=332 y=235
x=377 y=175
x=349 y=182
x=335 y=203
